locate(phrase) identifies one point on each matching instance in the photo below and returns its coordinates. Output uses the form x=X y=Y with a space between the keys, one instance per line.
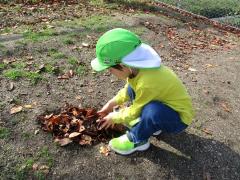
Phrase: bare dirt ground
x=37 y=45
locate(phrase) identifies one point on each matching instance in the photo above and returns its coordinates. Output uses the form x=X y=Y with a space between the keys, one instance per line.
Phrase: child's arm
x=122 y=95
x=108 y=107
x=119 y=99
x=143 y=96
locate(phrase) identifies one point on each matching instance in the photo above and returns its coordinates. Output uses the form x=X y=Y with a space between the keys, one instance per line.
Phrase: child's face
x=120 y=74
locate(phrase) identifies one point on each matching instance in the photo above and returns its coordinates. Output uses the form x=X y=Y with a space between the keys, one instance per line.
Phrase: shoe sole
x=157 y=133
x=143 y=147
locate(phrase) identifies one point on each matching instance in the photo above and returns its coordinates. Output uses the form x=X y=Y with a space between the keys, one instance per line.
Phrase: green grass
x=234 y=21
x=34 y=77
x=33 y=36
x=54 y=53
x=5 y=30
x=68 y=41
x=42 y=157
x=26 y=135
x=80 y=70
x=16 y=74
x=46 y=156
x=208 y=8
x=73 y=61
x=22 y=170
x=18 y=65
x=94 y=23
x=4 y=133
x=2 y=66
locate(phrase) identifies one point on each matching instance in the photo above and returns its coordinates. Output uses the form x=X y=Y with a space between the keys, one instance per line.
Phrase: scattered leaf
x=74 y=134
x=44 y=169
x=16 y=109
x=207 y=131
x=208 y=65
x=85 y=44
x=36 y=131
x=67 y=75
x=192 y=69
x=104 y=150
x=63 y=142
x=225 y=107
x=11 y=86
x=35 y=167
x=28 y=106
x=78 y=97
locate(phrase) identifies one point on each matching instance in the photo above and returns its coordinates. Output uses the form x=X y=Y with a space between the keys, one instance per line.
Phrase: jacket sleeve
x=143 y=96
x=122 y=95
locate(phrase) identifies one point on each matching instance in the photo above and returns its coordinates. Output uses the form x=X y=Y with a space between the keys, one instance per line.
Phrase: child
x=160 y=102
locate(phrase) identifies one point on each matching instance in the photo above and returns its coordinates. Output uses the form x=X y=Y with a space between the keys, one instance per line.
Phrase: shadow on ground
x=201 y=157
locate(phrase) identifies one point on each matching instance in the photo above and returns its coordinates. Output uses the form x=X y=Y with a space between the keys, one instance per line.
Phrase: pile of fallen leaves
x=78 y=125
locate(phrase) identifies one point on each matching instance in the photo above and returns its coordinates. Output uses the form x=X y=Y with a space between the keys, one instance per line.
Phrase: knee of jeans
x=152 y=110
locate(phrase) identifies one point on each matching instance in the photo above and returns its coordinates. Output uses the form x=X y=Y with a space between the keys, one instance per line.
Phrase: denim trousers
x=154 y=116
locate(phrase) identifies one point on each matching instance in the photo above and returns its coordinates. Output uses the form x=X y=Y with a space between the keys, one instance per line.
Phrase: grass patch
x=23 y=169
x=46 y=156
x=68 y=41
x=234 y=21
x=5 y=30
x=73 y=61
x=30 y=35
x=138 y=30
x=2 y=66
x=34 y=77
x=80 y=70
x=95 y=23
x=54 y=53
x=18 y=65
x=16 y=74
x=4 y=133
x=208 y=8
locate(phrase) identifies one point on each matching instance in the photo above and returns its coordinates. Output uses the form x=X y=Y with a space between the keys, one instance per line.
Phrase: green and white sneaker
x=122 y=145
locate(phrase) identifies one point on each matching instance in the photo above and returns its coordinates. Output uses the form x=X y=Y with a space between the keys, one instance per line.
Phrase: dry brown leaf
x=208 y=65
x=16 y=109
x=36 y=131
x=44 y=169
x=225 y=107
x=85 y=139
x=207 y=131
x=28 y=106
x=63 y=142
x=81 y=129
x=78 y=97
x=35 y=167
x=74 y=124
x=104 y=150
x=11 y=86
x=74 y=134
x=85 y=44
x=192 y=69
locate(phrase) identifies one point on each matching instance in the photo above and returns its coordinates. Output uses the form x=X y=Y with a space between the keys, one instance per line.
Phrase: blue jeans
x=154 y=116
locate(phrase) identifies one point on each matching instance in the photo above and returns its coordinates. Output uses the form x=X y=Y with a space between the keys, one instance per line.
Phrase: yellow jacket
x=160 y=84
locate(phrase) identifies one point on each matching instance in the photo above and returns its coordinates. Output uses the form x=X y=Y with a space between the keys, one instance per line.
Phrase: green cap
x=112 y=46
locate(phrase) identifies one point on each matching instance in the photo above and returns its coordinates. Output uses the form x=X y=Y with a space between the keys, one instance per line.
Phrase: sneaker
x=122 y=145
x=157 y=133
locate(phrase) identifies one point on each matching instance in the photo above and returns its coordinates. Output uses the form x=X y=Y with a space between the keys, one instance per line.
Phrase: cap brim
x=97 y=66
x=144 y=56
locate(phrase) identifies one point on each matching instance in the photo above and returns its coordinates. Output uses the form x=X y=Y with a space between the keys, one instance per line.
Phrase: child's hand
x=107 y=122
x=107 y=108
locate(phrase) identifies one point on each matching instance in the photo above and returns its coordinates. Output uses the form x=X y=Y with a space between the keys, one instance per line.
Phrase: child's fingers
x=102 y=113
